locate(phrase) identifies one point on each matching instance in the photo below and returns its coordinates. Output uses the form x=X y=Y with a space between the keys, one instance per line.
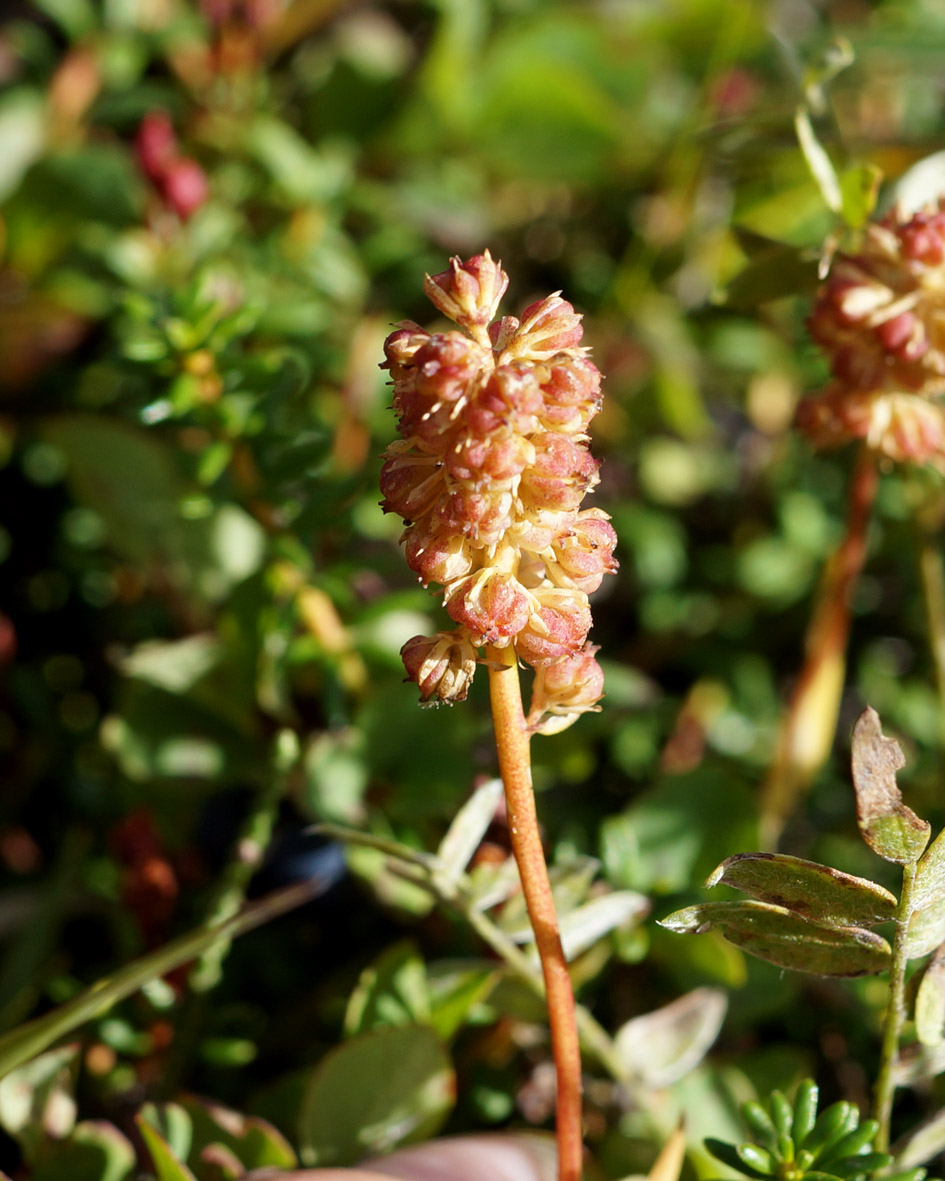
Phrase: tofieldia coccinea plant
x=489 y=476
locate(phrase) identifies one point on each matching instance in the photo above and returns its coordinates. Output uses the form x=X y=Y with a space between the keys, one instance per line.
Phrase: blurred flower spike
x=489 y=475
x=880 y=317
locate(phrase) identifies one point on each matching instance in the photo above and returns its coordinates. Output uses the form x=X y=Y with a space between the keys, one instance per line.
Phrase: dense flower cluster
x=489 y=476
x=881 y=319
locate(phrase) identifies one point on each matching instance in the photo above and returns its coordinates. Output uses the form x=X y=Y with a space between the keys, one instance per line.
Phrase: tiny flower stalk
x=489 y=475
x=880 y=319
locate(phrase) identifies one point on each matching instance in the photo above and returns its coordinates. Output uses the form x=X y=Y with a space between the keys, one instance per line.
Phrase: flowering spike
x=489 y=475
x=880 y=318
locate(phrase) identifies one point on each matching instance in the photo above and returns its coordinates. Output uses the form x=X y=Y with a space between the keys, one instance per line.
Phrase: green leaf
x=805 y=1110
x=26 y=1041
x=819 y=163
x=775 y=934
x=468 y=828
x=859 y=188
x=37 y=1102
x=167 y=1164
x=661 y=1047
x=729 y=1155
x=775 y=273
x=889 y=828
x=22 y=136
x=96 y=1151
x=832 y=1125
x=927 y=922
x=815 y=892
x=376 y=1091
x=930 y=1002
x=583 y=927
x=254 y=1142
x=456 y=989
x=391 y=991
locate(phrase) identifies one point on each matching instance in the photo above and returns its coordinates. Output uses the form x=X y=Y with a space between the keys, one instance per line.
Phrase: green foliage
x=203 y=606
x=793 y=1140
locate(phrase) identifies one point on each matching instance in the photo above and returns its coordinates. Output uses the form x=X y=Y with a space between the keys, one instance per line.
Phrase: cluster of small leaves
x=790 y=1141
x=813 y=918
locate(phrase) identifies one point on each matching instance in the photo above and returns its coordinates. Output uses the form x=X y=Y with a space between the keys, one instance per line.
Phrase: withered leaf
x=889 y=828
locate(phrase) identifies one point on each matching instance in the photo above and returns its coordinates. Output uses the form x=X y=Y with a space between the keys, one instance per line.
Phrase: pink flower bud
x=493 y=606
x=442 y=665
x=185 y=187
x=585 y=553
x=509 y=398
x=498 y=458
x=435 y=554
x=571 y=394
x=469 y=292
x=559 y=628
x=548 y=327
x=401 y=347
x=562 y=473
x=156 y=145
x=565 y=690
x=410 y=484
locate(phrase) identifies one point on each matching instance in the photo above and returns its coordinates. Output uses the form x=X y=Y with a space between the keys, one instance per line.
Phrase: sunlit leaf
x=468 y=828
x=813 y=891
x=167 y=1164
x=775 y=934
x=927 y=924
x=930 y=1002
x=661 y=1047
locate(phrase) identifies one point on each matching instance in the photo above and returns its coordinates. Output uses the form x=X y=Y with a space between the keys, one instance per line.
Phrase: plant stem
x=885 y=1083
x=512 y=744
x=932 y=574
x=810 y=723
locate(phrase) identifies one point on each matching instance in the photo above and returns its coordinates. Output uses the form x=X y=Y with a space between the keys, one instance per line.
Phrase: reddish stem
x=512 y=744
x=810 y=724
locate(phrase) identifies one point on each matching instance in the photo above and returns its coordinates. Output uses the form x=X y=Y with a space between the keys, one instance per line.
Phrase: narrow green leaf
x=861 y=1165
x=756 y=1158
x=815 y=892
x=832 y=1124
x=468 y=828
x=889 y=828
x=167 y=1166
x=374 y=1092
x=927 y=924
x=819 y=163
x=930 y=1002
x=781 y=1112
x=729 y=1155
x=805 y=1110
x=759 y=1124
x=775 y=934
x=26 y=1041
x=852 y=1143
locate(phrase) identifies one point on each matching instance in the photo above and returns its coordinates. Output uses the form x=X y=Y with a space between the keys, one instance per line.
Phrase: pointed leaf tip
x=889 y=828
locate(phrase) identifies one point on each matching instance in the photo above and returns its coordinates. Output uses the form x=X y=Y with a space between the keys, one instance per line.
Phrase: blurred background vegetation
x=210 y=215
